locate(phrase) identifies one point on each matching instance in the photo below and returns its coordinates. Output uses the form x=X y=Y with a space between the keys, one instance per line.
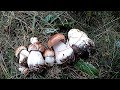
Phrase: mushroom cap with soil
x=63 y=52
x=80 y=42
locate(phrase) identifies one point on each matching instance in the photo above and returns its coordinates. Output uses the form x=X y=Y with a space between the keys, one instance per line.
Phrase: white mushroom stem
x=62 y=51
x=35 y=58
x=50 y=60
x=23 y=55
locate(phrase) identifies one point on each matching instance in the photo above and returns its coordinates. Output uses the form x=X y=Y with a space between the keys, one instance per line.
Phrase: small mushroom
x=62 y=51
x=49 y=57
x=39 y=46
x=33 y=40
x=22 y=53
x=80 y=43
x=35 y=60
x=23 y=70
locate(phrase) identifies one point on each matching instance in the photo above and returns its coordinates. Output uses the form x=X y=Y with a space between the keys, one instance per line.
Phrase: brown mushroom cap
x=55 y=39
x=40 y=47
x=36 y=46
x=48 y=53
x=19 y=49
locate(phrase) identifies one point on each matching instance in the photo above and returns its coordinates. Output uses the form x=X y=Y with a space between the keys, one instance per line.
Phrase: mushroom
x=22 y=53
x=49 y=57
x=23 y=70
x=35 y=60
x=33 y=40
x=39 y=46
x=80 y=42
x=62 y=51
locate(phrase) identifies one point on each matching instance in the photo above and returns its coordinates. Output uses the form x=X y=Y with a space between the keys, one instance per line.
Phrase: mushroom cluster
x=36 y=57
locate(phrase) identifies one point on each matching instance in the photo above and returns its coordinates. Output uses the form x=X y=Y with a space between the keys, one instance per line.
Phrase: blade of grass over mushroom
x=87 y=68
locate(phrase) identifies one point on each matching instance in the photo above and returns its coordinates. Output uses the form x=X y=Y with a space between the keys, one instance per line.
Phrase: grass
x=102 y=26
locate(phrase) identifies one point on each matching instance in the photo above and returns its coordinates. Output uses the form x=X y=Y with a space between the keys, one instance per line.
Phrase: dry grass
x=18 y=26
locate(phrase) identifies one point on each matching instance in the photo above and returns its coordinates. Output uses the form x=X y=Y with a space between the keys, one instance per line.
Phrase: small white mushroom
x=49 y=57
x=21 y=53
x=62 y=51
x=23 y=70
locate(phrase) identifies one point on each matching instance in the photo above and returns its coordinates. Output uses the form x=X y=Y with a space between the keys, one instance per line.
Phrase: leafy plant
x=87 y=68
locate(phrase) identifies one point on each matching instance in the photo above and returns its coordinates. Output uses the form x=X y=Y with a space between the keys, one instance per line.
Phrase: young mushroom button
x=23 y=70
